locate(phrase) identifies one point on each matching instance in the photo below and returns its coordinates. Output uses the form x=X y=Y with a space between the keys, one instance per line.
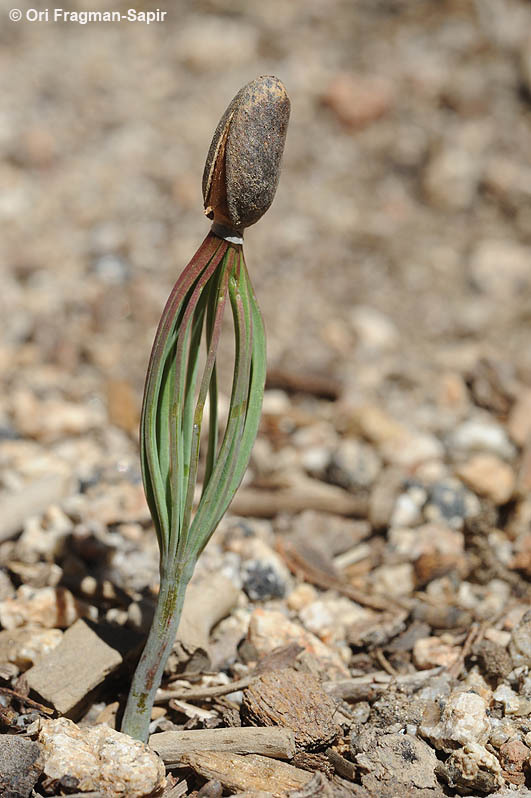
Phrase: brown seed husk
x=243 y=163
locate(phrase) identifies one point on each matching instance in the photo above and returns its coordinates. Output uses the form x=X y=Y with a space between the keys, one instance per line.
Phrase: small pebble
x=450 y=503
x=472 y=768
x=513 y=703
x=497 y=636
x=462 y=720
x=500 y=267
x=25 y=645
x=501 y=731
x=301 y=596
x=262 y=581
x=520 y=644
x=394 y=580
x=358 y=100
x=493 y=659
x=488 y=476
x=269 y=630
x=519 y=421
x=375 y=331
x=513 y=755
x=431 y=652
x=263 y=574
x=408 y=508
x=47 y=607
x=329 y=618
x=100 y=759
x=402 y=759
x=361 y=712
x=451 y=178
x=354 y=465
x=483 y=436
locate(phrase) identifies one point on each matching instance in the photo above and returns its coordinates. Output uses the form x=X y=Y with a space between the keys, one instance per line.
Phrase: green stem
x=173 y=583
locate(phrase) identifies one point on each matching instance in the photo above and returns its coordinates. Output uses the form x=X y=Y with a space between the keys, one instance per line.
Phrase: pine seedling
x=239 y=183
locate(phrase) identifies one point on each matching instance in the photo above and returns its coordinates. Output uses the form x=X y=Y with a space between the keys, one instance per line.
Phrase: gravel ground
x=384 y=523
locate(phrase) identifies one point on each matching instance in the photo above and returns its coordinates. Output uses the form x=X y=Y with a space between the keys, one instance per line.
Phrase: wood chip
x=309 y=495
x=313 y=762
x=272 y=742
x=343 y=767
x=323 y=386
x=303 y=560
x=202 y=693
x=68 y=675
x=177 y=791
x=24 y=699
x=365 y=688
x=294 y=700
x=251 y=773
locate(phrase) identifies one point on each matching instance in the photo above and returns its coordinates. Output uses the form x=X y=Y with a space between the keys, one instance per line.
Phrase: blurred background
x=394 y=274
x=399 y=243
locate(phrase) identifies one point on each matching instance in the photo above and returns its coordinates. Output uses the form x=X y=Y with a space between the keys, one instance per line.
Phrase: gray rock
x=520 y=644
x=400 y=758
x=262 y=581
x=448 y=501
x=354 y=465
x=20 y=766
x=260 y=570
x=451 y=178
x=500 y=268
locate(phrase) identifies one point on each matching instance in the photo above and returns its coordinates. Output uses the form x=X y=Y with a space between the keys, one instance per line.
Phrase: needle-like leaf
x=175 y=394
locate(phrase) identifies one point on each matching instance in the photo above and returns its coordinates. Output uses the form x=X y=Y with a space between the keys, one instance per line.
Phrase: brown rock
x=269 y=630
x=452 y=392
x=433 y=564
x=513 y=755
x=384 y=495
x=524 y=472
x=358 y=100
x=32 y=500
x=123 y=406
x=48 y=607
x=430 y=652
x=488 y=476
x=52 y=419
x=294 y=700
x=519 y=421
x=522 y=558
x=493 y=659
x=26 y=645
x=67 y=676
